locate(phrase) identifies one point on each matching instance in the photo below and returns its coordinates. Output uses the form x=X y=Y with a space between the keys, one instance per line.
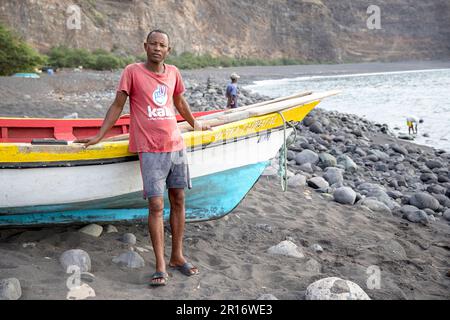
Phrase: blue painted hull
x=211 y=197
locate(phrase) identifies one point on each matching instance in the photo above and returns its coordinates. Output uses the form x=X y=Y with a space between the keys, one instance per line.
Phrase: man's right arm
x=111 y=117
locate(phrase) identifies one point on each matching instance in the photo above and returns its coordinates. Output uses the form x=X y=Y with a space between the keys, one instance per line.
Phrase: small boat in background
x=26 y=75
x=47 y=179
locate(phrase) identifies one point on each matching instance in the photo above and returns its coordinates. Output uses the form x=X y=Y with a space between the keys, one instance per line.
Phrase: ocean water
x=384 y=97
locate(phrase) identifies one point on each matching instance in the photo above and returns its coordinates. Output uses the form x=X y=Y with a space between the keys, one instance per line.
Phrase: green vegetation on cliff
x=63 y=57
x=188 y=60
x=16 y=55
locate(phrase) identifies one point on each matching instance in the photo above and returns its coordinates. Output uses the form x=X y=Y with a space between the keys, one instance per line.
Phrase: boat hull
x=222 y=174
x=212 y=196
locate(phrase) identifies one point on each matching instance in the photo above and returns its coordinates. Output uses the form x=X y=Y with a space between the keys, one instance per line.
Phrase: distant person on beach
x=232 y=92
x=154 y=88
x=412 y=122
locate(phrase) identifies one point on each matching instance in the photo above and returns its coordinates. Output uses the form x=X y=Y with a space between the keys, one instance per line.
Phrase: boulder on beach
x=312 y=266
x=297 y=181
x=377 y=192
x=111 y=229
x=92 y=229
x=316 y=127
x=435 y=188
x=317 y=248
x=375 y=205
x=333 y=175
x=347 y=163
x=309 y=120
x=392 y=249
x=318 y=183
x=379 y=154
x=418 y=216
x=334 y=288
x=10 y=289
x=306 y=156
x=128 y=238
x=423 y=200
x=286 y=248
x=428 y=177
x=399 y=149
x=433 y=164
x=345 y=195
x=327 y=160
x=130 y=259
x=443 y=200
x=306 y=167
x=75 y=257
x=446 y=215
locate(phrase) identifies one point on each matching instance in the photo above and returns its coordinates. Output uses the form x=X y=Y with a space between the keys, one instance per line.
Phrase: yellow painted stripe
x=25 y=152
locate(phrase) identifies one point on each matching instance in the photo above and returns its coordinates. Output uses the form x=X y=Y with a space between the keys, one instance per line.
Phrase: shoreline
x=257 y=73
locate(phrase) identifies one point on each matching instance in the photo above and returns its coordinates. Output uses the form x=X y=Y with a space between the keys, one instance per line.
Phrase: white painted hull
x=66 y=185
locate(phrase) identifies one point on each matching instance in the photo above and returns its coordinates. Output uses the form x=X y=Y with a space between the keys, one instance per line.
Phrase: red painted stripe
x=26 y=129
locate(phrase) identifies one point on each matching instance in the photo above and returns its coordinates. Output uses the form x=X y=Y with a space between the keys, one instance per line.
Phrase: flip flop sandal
x=186 y=269
x=159 y=275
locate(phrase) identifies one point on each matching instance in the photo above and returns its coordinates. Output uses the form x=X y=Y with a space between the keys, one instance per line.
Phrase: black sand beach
x=378 y=230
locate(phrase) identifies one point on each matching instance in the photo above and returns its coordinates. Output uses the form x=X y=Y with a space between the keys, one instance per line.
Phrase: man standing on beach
x=232 y=91
x=154 y=88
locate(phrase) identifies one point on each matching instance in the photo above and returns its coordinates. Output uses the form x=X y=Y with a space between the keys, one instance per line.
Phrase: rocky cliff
x=314 y=30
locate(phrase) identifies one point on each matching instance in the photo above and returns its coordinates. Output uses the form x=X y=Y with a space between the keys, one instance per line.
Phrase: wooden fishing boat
x=58 y=181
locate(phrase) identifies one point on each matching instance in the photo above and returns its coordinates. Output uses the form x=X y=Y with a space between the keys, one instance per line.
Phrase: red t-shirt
x=153 y=125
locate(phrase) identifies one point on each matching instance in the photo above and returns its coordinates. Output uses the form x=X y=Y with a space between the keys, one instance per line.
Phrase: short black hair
x=158 y=31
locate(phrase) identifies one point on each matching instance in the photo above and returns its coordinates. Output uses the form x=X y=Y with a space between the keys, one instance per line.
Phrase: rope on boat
x=282 y=161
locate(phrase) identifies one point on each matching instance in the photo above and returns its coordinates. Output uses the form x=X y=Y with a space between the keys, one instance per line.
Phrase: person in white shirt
x=412 y=122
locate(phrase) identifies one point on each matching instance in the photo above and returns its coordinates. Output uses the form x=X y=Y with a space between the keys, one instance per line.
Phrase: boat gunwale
x=119 y=149
x=132 y=157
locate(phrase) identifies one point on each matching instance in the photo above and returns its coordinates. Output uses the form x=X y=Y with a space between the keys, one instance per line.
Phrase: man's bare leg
x=177 y=223
x=156 y=229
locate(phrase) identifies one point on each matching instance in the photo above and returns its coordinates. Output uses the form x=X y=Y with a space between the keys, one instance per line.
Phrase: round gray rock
x=443 y=200
x=423 y=200
x=93 y=230
x=312 y=266
x=306 y=156
x=334 y=288
x=433 y=164
x=297 y=181
x=399 y=149
x=286 y=248
x=333 y=175
x=128 y=238
x=318 y=183
x=417 y=217
x=316 y=127
x=10 y=289
x=344 y=195
x=446 y=215
x=393 y=249
x=130 y=259
x=76 y=257
x=375 y=205
x=347 y=162
x=111 y=229
x=306 y=167
x=327 y=160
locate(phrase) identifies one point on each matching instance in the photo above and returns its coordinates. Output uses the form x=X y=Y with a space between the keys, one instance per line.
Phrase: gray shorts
x=163 y=170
